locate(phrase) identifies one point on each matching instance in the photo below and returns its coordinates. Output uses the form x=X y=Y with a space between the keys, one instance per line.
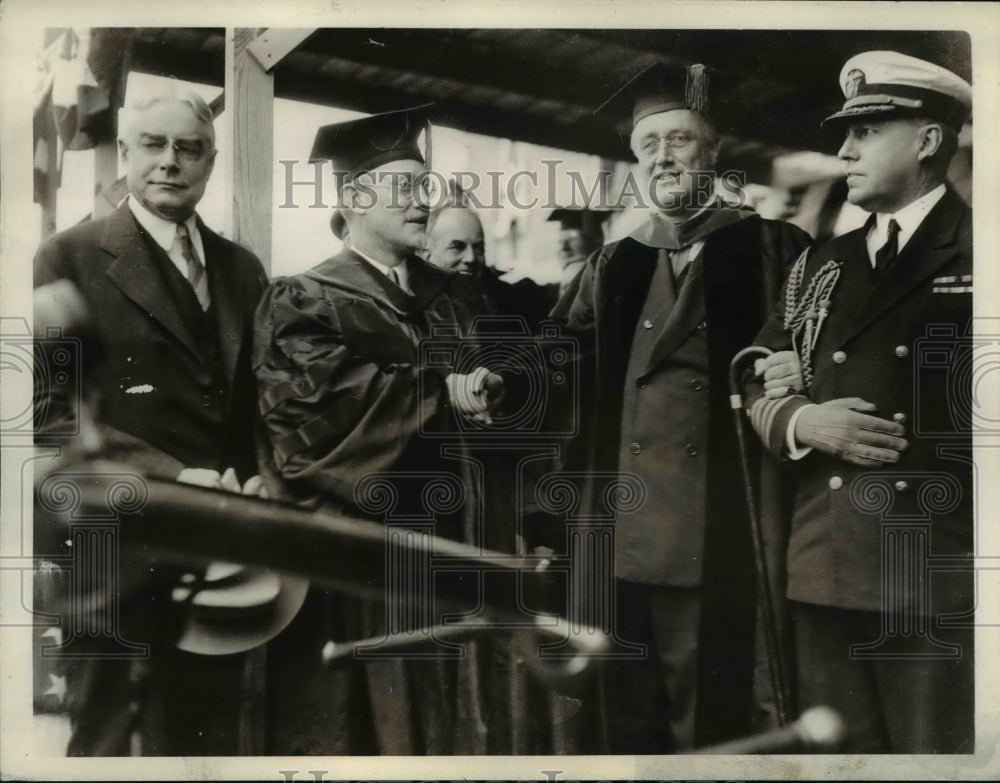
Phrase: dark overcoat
x=657 y=402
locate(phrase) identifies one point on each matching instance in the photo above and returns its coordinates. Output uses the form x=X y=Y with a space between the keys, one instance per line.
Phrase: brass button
x=691 y=449
x=206 y=400
x=641 y=384
x=902 y=351
x=901 y=486
x=697 y=385
x=899 y=418
x=647 y=324
x=635 y=448
x=839 y=357
x=702 y=325
x=836 y=482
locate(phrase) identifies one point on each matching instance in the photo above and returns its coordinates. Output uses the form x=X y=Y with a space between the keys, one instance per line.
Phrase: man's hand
x=255 y=486
x=475 y=394
x=844 y=429
x=204 y=477
x=493 y=391
x=782 y=374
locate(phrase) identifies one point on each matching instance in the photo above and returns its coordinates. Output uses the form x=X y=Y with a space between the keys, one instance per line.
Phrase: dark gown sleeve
x=333 y=409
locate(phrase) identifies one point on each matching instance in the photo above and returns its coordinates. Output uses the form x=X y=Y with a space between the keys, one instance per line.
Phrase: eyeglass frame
x=404 y=188
x=146 y=142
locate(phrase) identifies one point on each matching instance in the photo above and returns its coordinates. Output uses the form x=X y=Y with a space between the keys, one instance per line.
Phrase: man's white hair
x=168 y=91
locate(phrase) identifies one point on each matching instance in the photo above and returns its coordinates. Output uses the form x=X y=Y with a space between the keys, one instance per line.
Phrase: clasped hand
x=782 y=374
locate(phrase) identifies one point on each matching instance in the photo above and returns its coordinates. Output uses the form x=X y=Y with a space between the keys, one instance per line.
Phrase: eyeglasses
x=185 y=149
x=422 y=186
x=675 y=140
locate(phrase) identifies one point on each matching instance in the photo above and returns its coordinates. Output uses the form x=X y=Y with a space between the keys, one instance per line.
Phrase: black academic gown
x=658 y=398
x=355 y=415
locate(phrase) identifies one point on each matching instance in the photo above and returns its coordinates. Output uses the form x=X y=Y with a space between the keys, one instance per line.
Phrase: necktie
x=680 y=263
x=887 y=253
x=394 y=275
x=196 y=272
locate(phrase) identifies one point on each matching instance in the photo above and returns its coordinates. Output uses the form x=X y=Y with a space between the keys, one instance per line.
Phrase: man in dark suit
x=171 y=304
x=881 y=440
x=666 y=309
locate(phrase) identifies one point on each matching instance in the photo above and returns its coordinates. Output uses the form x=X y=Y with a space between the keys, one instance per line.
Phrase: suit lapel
x=226 y=286
x=134 y=272
x=688 y=310
x=853 y=288
x=931 y=247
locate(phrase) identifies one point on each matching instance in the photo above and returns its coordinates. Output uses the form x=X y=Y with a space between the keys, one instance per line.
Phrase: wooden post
x=51 y=193
x=249 y=93
x=105 y=176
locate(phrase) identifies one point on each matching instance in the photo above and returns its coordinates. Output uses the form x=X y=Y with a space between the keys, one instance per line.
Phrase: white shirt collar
x=909 y=218
x=164 y=232
x=401 y=270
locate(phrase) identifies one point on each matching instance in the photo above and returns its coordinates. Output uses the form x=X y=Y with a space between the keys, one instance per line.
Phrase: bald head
x=455 y=241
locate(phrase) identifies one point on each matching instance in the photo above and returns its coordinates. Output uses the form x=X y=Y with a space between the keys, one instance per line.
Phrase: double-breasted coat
x=904 y=344
x=658 y=390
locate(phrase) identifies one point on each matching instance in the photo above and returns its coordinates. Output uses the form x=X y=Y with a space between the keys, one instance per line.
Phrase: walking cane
x=775 y=659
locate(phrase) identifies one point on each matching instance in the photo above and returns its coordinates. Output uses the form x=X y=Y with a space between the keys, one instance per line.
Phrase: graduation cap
x=660 y=87
x=361 y=145
x=586 y=221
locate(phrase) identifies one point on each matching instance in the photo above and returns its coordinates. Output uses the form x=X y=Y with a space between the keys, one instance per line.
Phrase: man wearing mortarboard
x=581 y=232
x=880 y=439
x=666 y=309
x=344 y=394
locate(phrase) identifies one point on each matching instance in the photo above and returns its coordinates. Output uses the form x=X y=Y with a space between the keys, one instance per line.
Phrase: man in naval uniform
x=665 y=310
x=880 y=440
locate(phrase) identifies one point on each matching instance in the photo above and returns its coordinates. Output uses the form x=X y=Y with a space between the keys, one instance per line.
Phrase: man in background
x=455 y=240
x=581 y=232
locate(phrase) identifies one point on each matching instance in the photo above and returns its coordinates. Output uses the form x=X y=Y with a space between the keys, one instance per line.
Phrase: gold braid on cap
x=804 y=316
x=696 y=89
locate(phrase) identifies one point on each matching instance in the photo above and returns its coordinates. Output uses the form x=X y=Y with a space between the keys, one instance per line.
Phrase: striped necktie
x=196 y=272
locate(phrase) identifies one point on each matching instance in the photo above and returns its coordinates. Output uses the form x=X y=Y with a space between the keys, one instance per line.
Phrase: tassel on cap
x=696 y=89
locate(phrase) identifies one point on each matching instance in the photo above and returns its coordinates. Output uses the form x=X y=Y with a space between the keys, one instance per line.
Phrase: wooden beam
x=250 y=99
x=271 y=46
x=105 y=176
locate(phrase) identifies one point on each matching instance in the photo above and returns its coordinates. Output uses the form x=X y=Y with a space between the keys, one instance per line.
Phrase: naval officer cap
x=357 y=146
x=660 y=87
x=887 y=85
x=586 y=221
